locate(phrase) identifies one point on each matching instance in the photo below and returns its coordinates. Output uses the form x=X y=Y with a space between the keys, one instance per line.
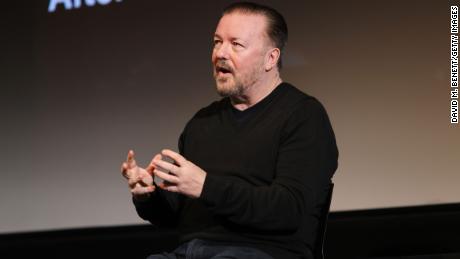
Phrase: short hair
x=277 y=30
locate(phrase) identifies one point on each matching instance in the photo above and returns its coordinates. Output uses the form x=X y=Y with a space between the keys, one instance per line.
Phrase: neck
x=255 y=93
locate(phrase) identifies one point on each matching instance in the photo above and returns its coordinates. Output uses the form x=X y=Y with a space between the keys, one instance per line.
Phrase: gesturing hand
x=140 y=180
x=183 y=176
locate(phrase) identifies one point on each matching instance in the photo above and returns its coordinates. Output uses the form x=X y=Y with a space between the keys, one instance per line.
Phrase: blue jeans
x=201 y=249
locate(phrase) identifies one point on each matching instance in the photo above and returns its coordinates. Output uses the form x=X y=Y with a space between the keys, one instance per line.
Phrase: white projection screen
x=82 y=82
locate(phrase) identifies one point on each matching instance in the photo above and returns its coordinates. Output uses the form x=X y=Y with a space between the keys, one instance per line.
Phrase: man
x=254 y=167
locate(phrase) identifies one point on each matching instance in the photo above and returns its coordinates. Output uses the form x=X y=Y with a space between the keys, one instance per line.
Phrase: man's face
x=240 y=45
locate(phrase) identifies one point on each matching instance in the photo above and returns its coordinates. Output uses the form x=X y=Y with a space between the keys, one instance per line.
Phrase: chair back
x=322 y=225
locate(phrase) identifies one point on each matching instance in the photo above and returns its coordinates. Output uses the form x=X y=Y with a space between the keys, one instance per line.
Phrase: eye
x=217 y=42
x=237 y=44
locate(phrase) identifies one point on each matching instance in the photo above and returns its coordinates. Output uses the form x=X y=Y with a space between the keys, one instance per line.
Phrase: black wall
x=410 y=232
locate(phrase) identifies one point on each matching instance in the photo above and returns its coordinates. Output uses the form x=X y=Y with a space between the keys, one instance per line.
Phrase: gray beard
x=238 y=90
x=241 y=85
x=230 y=92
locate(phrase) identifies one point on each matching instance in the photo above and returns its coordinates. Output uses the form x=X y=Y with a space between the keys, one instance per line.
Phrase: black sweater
x=268 y=170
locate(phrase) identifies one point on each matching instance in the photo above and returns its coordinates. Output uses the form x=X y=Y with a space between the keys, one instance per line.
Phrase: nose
x=221 y=51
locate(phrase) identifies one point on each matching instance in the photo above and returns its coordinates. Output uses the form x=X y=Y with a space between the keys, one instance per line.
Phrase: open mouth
x=223 y=70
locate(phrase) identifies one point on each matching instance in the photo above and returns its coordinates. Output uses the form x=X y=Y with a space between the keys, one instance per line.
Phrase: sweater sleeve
x=162 y=207
x=307 y=159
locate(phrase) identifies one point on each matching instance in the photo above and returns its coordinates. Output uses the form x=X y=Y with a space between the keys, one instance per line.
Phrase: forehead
x=242 y=25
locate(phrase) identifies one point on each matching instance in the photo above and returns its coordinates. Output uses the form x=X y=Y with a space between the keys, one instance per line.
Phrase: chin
x=225 y=89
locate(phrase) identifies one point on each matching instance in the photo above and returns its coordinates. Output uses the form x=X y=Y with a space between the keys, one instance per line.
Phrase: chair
x=318 y=251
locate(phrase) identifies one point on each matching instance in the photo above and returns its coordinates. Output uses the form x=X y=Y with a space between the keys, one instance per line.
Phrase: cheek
x=239 y=63
x=246 y=65
x=213 y=56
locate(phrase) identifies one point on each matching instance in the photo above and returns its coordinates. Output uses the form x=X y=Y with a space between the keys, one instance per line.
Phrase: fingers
x=130 y=155
x=166 y=165
x=168 y=187
x=140 y=180
x=152 y=166
x=166 y=177
x=140 y=190
x=131 y=162
x=124 y=170
x=133 y=181
x=180 y=160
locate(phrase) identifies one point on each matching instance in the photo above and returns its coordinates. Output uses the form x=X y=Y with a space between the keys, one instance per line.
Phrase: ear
x=272 y=57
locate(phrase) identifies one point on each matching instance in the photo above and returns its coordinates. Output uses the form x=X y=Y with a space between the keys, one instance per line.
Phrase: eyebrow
x=232 y=39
